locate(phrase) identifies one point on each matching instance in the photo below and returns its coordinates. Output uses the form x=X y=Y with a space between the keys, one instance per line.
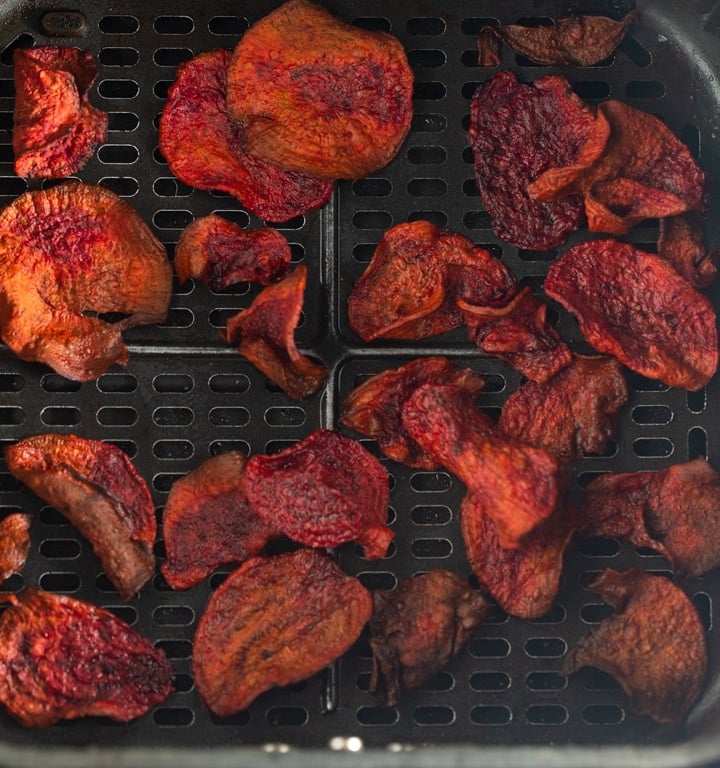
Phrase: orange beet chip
x=55 y=128
x=71 y=254
x=96 y=486
x=273 y=622
x=204 y=150
x=14 y=544
x=265 y=332
x=312 y=93
x=682 y=243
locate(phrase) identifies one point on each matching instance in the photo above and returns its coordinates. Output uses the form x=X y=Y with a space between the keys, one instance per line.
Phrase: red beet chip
x=517 y=132
x=374 y=407
x=208 y=521
x=516 y=483
x=635 y=306
x=204 y=150
x=682 y=243
x=273 y=622
x=324 y=491
x=654 y=644
x=61 y=658
x=96 y=486
x=55 y=128
x=14 y=543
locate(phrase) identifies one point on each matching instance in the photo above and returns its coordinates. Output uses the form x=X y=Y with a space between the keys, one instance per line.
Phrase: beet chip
x=96 y=486
x=265 y=332
x=635 y=306
x=571 y=414
x=323 y=491
x=14 y=544
x=208 y=521
x=273 y=622
x=62 y=658
x=374 y=408
x=69 y=254
x=221 y=253
x=314 y=94
x=682 y=243
x=418 y=273
x=675 y=511
x=205 y=151
x=517 y=132
x=654 y=645
x=418 y=627
x=55 y=128
x=516 y=483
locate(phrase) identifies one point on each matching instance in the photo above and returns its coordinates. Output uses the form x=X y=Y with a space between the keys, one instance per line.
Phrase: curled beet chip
x=221 y=253
x=70 y=255
x=14 y=543
x=516 y=483
x=96 y=486
x=324 y=491
x=374 y=408
x=208 y=521
x=654 y=644
x=62 y=658
x=265 y=333
x=418 y=627
x=55 y=128
x=273 y=622
x=682 y=243
x=312 y=93
x=634 y=305
x=571 y=414
x=204 y=150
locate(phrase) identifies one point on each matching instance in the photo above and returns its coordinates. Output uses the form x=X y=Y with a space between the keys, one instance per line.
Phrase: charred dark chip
x=675 y=511
x=418 y=627
x=61 y=658
x=517 y=132
x=96 y=486
x=374 y=408
x=634 y=305
x=14 y=543
x=417 y=275
x=70 y=255
x=682 y=243
x=571 y=414
x=221 y=253
x=208 y=521
x=280 y=620
x=55 y=128
x=324 y=491
x=654 y=644
x=312 y=93
x=204 y=150
x=517 y=484
x=266 y=336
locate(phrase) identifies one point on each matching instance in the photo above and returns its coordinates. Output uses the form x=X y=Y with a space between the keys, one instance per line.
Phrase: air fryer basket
x=185 y=395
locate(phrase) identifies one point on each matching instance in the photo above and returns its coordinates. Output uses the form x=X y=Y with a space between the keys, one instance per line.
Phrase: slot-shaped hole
x=372 y=220
x=60 y=549
x=603 y=714
x=229 y=416
x=117 y=416
x=167 y=187
x=377 y=579
x=429 y=91
x=377 y=715
x=491 y=715
x=122 y=186
x=119 y=57
x=175 y=649
x=371 y=187
x=173 y=717
x=173 y=25
x=164 y=481
x=373 y=23
x=12 y=186
x=427 y=155
x=431 y=515
x=427 y=187
x=118 y=154
x=53 y=382
x=118 y=89
x=428 y=122
x=223 y=446
x=59 y=582
x=426 y=25
x=117 y=383
x=125 y=613
x=477 y=220
x=652 y=414
x=489 y=647
x=653 y=447
x=697 y=443
x=11 y=415
x=431 y=548
x=592 y=90
x=229 y=383
x=545 y=647
x=123 y=121
x=173 y=449
x=288 y=416
x=173 y=417
x=172 y=218
x=176 y=383
x=60 y=416
x=430 y=482
x=547 y=714
x=228 y=25
x=546 y=681
x=438 y=218
x=434 y=715
x=11 y=382
x=429 y=58
x=490 y=681
x=119 y=25
x=171 y=57
x=279 y=716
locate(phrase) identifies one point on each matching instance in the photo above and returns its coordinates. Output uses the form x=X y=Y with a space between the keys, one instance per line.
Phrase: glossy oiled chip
x=265 y=333
x=14 y=543
x=55 y=128
x=96 y=486
x=204 y=150
x=312 y=93
x=374 y=407
x=418 y=627
x=634 y=305
x=682 y=243
x=323 y=491
x=208 y=521
x=654 y=644
x=69 y=255
x=62 y=658
x=273 y=622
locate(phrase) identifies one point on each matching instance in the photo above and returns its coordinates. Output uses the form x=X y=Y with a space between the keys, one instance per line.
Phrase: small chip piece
x=682 y=243
x=634 y=305
x=95 y=485
x=273 y=622
x=55 y=128
x=14 y=543
x=654 y=645
x=323 y=491
x=62 y=658
x=418 y=627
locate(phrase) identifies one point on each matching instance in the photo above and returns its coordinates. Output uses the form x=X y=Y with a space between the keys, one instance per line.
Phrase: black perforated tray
x=184 y=396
